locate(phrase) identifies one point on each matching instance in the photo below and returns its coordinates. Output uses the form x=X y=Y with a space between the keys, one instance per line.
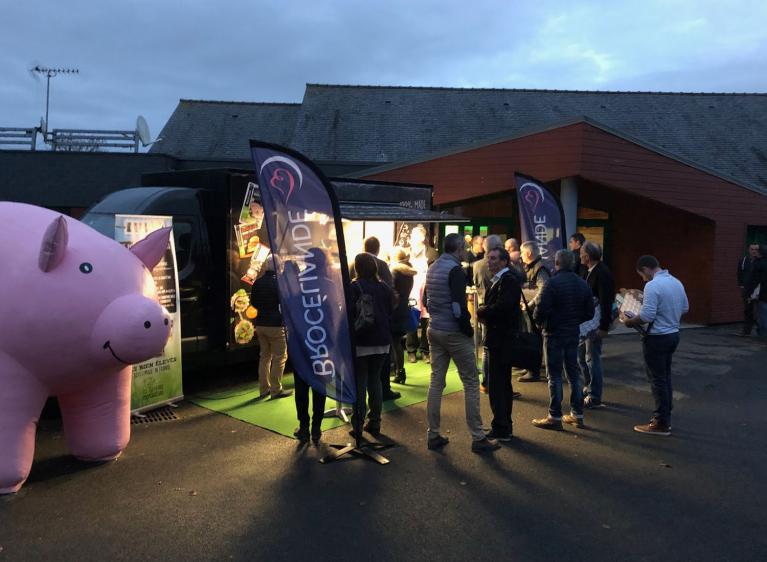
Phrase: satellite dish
x=142 y=130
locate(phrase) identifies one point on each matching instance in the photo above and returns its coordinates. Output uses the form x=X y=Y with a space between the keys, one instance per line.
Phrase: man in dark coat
x=600 y=281
x=500 y=315
x=745 y=268
x=758 y=278
x=566 y=302
x=482 y=276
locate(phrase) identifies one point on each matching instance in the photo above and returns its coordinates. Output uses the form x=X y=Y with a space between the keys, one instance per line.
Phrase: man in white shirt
x=664 y=303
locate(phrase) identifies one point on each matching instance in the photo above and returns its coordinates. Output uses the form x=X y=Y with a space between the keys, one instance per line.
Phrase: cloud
x=141 y=57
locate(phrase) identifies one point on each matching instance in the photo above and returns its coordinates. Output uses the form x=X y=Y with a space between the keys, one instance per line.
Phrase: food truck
x=221 y=243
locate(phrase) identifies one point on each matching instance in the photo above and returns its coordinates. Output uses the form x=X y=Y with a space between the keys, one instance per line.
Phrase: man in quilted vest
x=450 y=337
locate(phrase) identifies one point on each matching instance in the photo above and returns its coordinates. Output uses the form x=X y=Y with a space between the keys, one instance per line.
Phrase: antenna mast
x=50 y=73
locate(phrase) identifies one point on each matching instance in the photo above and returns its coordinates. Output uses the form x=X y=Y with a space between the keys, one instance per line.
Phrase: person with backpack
x=372 y=304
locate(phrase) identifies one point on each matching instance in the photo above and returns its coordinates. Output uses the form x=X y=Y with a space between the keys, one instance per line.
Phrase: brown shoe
x=653 y=428
x=572 y=419
x=548 y=423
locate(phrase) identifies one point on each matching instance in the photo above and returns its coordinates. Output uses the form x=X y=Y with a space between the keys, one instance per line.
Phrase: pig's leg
x=22 y=398
x=97 y=418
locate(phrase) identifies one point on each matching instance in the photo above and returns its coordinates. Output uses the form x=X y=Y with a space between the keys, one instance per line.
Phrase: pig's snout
x=132 y=329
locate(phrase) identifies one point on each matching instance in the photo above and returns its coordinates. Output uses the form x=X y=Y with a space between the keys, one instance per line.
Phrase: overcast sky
x=139 y=57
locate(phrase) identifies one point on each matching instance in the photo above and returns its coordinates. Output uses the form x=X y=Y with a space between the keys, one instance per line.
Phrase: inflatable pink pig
x=76 y=310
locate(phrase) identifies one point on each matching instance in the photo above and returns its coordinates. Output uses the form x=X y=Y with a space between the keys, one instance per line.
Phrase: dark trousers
x=367 y=370
x=415 y=342
x=562 y=351
x=398 y=352
x=658 y=351
x=748 y=316
x=302 y=404
x=385 y=374
x=500 y=390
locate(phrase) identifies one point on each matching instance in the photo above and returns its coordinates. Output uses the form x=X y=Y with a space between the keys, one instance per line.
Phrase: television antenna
x=50 y=73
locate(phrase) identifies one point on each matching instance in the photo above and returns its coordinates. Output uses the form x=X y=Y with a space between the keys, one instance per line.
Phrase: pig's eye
x=85 y=267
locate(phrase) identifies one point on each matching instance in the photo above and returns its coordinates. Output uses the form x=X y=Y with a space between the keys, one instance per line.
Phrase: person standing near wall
x=758 y=278
x=745 y=268
x=663 y=305
x=600 y=281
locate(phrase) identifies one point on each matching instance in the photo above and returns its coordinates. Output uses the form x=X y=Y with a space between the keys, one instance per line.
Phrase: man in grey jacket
x=450 y=337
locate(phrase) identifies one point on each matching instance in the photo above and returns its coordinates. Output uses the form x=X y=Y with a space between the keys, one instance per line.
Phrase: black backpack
x=364 y=312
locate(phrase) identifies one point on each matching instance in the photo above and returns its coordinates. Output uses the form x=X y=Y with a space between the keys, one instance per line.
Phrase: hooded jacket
x=403 y=275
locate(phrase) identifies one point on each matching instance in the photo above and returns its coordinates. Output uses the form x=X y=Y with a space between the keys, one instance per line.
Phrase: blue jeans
x=562 y=351
x=658 y=351
x=590 y=361
x=761 y=320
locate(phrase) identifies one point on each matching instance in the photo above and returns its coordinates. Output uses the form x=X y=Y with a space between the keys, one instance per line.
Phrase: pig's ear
x=151 y=249
x=54 y=245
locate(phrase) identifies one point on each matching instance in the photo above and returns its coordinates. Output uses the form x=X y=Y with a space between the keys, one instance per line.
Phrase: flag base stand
x=362 y=448
x=338 y=412
x=358 y=450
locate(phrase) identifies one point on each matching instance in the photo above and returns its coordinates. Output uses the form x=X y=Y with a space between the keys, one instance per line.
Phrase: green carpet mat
x=279 y=415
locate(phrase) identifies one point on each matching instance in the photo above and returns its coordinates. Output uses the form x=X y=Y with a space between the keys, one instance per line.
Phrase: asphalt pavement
x=209 y=487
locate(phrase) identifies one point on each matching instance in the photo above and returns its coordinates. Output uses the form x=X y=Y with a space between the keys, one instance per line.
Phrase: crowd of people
x=419 y=311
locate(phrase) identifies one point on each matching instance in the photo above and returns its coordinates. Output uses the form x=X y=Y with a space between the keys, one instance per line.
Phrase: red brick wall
x=490 y=169
x=700 y=223
x=613 y=161
x=681 y=241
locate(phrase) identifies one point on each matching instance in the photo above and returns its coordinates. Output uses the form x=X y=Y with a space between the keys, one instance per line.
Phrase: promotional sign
x=541 y=219
x=157 y=381
x=305 y=234
x=248 y=251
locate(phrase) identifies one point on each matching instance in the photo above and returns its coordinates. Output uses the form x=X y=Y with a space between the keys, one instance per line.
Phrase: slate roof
x=379 y=125
x=220 y=130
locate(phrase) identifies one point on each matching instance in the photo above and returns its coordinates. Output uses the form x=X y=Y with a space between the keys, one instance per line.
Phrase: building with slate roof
x=679 y=175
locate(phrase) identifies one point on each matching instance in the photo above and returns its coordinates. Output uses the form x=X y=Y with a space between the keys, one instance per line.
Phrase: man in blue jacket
x=565 y=302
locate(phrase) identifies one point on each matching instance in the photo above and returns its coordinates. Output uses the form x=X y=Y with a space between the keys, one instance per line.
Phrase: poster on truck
x=248 y=250
x=158 y=381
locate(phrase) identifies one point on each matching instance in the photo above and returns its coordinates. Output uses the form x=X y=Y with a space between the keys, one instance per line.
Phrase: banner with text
x=303 y=220
x=157 y=381
x=541 y=219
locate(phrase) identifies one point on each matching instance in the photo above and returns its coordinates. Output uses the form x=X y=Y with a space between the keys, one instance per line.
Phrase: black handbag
x=526 y=348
